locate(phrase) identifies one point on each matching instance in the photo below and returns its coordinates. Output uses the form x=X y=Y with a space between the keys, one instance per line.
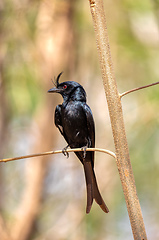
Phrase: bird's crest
x=57 y=79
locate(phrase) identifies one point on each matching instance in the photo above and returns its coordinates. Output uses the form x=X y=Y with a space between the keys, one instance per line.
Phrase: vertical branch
x=117 y=122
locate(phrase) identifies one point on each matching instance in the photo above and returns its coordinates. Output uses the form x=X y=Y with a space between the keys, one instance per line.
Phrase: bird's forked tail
x=92 y=188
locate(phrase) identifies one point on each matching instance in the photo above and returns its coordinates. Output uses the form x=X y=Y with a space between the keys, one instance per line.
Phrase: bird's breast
x=73 y=112
x=74 y=122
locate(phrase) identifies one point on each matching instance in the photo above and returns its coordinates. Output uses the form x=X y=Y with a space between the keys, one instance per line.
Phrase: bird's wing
x=90 y=125
x=91 y=130
x=58 y=121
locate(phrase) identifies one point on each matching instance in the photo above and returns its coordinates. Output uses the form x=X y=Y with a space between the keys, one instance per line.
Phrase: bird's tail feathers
x=97 y=196
x=89 y=185
x=92 y=189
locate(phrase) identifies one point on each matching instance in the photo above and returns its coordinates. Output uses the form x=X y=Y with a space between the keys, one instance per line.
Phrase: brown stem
x=136 y=89
x=58 y=151
x=117 y=122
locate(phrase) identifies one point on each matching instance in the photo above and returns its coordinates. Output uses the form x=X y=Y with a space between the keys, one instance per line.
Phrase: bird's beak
x=54 y=90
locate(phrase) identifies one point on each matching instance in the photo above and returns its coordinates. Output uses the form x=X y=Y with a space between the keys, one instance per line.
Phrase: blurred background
x=45 y=198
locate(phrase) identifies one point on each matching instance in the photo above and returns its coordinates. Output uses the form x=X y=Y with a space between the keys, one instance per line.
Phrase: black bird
x=75 y=122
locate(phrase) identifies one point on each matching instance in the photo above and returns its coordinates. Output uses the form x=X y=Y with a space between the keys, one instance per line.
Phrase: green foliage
x=20 y=69
x=136 y=5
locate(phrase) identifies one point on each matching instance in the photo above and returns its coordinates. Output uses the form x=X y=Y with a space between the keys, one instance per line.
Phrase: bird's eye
x=64 y=86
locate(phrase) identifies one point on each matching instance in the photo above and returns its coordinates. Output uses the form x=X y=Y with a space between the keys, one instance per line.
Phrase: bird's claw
x=64 y=151
x=84 y=151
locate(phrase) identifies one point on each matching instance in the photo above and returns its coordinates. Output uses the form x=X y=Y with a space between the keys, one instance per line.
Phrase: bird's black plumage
x=74 y=120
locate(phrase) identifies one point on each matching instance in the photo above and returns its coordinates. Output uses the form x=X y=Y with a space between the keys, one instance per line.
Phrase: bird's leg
x=84 y=151
x=64 y=151
x=84 y=148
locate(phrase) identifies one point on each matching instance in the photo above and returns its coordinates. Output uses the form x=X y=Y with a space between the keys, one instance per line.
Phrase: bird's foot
x=84 y=151
x=64 y=151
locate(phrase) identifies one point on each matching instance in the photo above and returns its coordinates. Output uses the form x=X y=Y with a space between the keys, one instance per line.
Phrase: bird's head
x=69 y=90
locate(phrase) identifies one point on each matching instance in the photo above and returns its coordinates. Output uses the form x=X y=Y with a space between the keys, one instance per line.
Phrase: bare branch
x=59 y=151
x=117 y=121
x=139 y=88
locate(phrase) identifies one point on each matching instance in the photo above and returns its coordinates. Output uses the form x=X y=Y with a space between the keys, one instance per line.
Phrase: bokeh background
x=45 y=198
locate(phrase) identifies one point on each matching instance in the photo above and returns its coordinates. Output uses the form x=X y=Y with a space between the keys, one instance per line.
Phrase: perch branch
x=59 y=151
x=136 y=89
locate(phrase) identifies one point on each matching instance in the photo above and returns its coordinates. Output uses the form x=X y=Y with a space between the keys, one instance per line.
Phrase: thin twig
x=59 y=151
x=139 y=88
